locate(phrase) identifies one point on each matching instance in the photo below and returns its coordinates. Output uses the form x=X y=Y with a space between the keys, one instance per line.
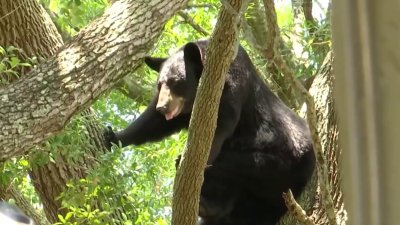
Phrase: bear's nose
x=162 y=109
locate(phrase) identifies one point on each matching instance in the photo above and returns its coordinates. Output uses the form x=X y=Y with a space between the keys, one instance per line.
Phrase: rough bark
x=220 y=53
x=21 y=19
x=50 y=179
x=40 y=104
x=20 y=24
x=322 y=92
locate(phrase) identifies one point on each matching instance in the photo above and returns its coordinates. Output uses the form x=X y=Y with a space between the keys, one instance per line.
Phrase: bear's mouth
x=174 y=109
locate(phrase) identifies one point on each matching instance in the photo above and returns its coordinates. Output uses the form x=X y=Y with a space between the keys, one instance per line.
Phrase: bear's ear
x=192 y=56
x=154 y=63
x=193 y=59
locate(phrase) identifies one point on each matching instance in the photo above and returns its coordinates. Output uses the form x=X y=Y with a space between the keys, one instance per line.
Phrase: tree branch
x=132 y=89
x=296 y=209
x=219 y=56
x=40 y=104
x=307 y=11
x=311 y=113
x=189 y=6
x=186 y=17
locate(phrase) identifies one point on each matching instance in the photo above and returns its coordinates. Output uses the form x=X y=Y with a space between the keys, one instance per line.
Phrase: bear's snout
x=162 y=109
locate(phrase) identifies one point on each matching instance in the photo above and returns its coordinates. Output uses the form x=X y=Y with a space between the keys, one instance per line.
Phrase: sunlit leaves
x=72 y=15
x=11 y=64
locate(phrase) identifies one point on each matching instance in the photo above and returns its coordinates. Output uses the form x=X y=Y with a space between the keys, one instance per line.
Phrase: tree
x=62 y=169
x=40 y=104
x=122 y=35
x=220 y=55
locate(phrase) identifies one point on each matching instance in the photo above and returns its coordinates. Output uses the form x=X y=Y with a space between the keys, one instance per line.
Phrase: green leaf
x=24 y=162
x=25 y=64
x=14 y=62
x=68 y=216
x=61 y=218
x=2 y=67
x=2 y=51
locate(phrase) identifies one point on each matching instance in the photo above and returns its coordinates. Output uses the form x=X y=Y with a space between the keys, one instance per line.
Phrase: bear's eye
x=177 y=86
x=172 y=82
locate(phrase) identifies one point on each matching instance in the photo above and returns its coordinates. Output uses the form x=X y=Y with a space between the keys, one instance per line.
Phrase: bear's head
x=178 y=79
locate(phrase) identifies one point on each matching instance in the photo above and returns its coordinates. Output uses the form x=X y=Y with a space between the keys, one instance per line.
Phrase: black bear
x=261 y=148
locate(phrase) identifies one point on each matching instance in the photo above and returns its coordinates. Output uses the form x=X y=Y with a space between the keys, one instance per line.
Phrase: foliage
x=73 y=15
x=14 y=172
x=11 y=64
x=140 y=176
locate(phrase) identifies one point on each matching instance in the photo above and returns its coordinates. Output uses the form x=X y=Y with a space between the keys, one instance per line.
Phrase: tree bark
x=40 y=104
x=21 y=19
x=322 y=91
x=26 y=25
x=220 y=53
x=50 y=179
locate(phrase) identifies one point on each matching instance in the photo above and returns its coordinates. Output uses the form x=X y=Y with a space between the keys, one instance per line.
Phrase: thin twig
x=296 y=209
x=200 y=6
x=289 y=75
x=14 y=10
x=191 y=22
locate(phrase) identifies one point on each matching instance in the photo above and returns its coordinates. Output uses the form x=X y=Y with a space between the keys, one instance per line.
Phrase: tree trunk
x=26 y=25
x=50 y=179
x=322 y=91
x=21 y=19
x=39 y=105
x=219 y=56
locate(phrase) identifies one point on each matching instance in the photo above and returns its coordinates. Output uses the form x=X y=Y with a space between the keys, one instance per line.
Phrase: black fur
x=260 y=149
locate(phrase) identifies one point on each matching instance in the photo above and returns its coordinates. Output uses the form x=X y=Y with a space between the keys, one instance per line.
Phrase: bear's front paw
x=109 y=137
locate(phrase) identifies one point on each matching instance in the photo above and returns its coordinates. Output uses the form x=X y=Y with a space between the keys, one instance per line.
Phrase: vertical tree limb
x=289 y=75
x=220 y=53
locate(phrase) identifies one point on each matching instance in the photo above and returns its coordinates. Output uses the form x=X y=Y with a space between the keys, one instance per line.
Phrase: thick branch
x=311 y=113
x=220 y=53
x=40 y=104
